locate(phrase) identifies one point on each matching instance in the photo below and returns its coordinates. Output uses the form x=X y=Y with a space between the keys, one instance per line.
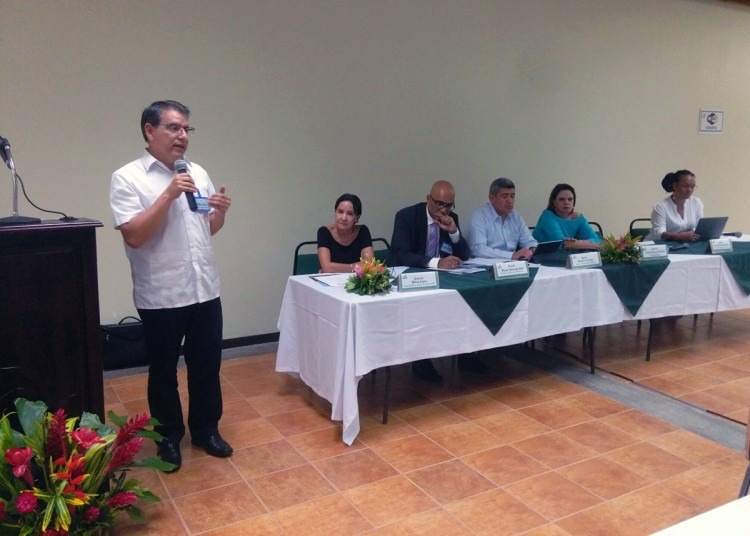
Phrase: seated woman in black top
x=341 y=244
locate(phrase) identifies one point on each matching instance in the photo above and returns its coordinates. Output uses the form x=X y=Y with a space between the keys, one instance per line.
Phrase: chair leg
x=589 y=334
x=650 y=339
x=387 y=395
x=745 y=483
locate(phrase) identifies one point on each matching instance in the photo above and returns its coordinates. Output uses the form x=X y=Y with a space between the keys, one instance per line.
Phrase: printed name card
x=418 y=281
x=719 y=245
x=650 y=252
x=589 y=259
x=510 y=270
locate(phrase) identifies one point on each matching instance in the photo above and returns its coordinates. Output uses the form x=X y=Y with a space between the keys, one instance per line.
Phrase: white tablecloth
x=332 y=338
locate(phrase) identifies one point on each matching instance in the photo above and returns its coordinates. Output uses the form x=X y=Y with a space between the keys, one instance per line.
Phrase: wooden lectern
x=50 y=348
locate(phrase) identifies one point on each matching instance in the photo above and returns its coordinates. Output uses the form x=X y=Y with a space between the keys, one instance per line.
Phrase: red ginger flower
x=125 y=454
x=86 y=438
x=26 y=502
x=131 y=429
x=56 y=444
x=20 y=459
x=91 y=515
x=122 y=499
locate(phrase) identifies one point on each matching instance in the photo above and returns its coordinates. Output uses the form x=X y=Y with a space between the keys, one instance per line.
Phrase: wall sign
x=711 y=121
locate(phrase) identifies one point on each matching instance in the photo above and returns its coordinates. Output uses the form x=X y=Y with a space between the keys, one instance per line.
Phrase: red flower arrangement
x=57 y=480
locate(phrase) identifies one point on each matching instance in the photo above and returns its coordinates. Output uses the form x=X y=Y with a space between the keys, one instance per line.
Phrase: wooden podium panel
x=50 y=348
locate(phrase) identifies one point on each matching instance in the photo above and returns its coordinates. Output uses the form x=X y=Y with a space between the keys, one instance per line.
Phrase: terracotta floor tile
x=596 y=405
x=512 y=426
x=191 y=477
x=430 y=523
x=555 y=414
x=412 y=453
x=691 y=379
x=517 y=396
x=650 y=461
x=712 y=402
x=599 y=436
x=691 y=447
x=161 y=518
x=554 y=449
x=660 y=383
x=299 y=421
x=450 y=481
x=741 y=362
x=648 y=507
x=259 y=386
x=323 y=444
x=464 y=438
x=554 y=387
x=429 y=417
x=264 y=524
x=736 y=391
x=266 y=458
x=604 y=477
x=721 y=371
x=495 y=513
x=552 y=495
x=638 y=424
x=706 y=489
x=354 y=469
x=273 y=404
x=389 y=500
x=374 y=432
x=603 y=520
x=207 y=510
x=290 y=486
x=475 y=406
x=325 y=516
x=550 y=529
x=246 y=433
x=504 y=465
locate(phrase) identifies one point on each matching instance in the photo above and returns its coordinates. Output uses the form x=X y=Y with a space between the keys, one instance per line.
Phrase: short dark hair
x=556 y=191
x=152 y=114
x=502 y=182
x=353 y=199
x=670 y=179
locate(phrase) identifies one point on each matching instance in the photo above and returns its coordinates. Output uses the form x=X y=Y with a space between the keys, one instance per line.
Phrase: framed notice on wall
x=711 y=121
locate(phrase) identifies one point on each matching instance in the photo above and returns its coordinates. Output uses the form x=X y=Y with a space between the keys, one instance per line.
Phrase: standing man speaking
x=167 y=210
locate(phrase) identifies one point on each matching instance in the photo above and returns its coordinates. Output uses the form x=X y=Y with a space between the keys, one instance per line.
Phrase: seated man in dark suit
x=426 y=235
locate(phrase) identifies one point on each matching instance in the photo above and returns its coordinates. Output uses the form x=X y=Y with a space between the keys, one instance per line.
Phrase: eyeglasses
x=175 y=128
x=443 y=204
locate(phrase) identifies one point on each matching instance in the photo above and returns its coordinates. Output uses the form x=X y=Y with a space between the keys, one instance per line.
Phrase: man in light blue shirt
x=496 y=231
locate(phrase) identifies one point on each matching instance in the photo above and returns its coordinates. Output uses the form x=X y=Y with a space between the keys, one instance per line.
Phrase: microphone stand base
x=19 y=220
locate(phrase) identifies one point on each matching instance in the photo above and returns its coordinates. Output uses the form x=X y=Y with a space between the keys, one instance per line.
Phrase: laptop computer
x=711 y=228
x=545 y=247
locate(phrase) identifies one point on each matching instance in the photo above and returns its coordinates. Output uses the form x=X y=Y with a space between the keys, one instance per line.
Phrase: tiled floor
x=517 y=451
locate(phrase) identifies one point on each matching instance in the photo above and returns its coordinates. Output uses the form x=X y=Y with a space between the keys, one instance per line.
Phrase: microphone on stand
x=180 y=166
x=15 y=219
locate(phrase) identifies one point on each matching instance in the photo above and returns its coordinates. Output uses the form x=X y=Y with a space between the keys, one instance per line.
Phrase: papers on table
x=331 y=280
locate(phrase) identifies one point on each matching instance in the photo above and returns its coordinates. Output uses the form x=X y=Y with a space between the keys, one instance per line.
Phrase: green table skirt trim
x=492 y=301
x=634 y=282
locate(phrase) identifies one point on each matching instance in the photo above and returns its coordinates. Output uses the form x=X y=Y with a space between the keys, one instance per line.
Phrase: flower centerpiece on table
x=370 y=276
x=58 y=479
x=620 y=250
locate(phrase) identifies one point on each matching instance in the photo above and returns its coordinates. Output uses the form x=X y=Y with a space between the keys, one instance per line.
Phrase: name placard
x=510 y=270
x=589 y=259
x=408 y=282
x=654 y=251
x=719 y=245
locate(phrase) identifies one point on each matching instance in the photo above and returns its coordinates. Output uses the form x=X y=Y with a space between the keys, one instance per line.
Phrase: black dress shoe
x=426 y=370
x=169 y=451
x=472 y=363
x=214 y=445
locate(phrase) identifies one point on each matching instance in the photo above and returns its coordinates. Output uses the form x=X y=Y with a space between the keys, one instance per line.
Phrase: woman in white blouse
x=675 y=217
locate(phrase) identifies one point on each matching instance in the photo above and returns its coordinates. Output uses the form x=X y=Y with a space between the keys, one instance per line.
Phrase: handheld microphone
x=180 y=166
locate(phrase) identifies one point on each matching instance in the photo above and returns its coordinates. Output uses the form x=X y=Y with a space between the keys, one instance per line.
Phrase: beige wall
x=297 y=101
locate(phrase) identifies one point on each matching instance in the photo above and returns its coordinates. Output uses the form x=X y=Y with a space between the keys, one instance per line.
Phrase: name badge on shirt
x=201 y=202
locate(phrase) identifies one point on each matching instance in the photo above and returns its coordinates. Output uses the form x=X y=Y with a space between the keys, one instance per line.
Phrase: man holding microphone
x=175 y=280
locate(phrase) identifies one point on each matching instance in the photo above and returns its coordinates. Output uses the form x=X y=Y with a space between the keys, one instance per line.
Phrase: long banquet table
x=331 y=338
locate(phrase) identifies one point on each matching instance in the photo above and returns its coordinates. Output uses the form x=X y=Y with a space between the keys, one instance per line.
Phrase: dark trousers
x=200 y=325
